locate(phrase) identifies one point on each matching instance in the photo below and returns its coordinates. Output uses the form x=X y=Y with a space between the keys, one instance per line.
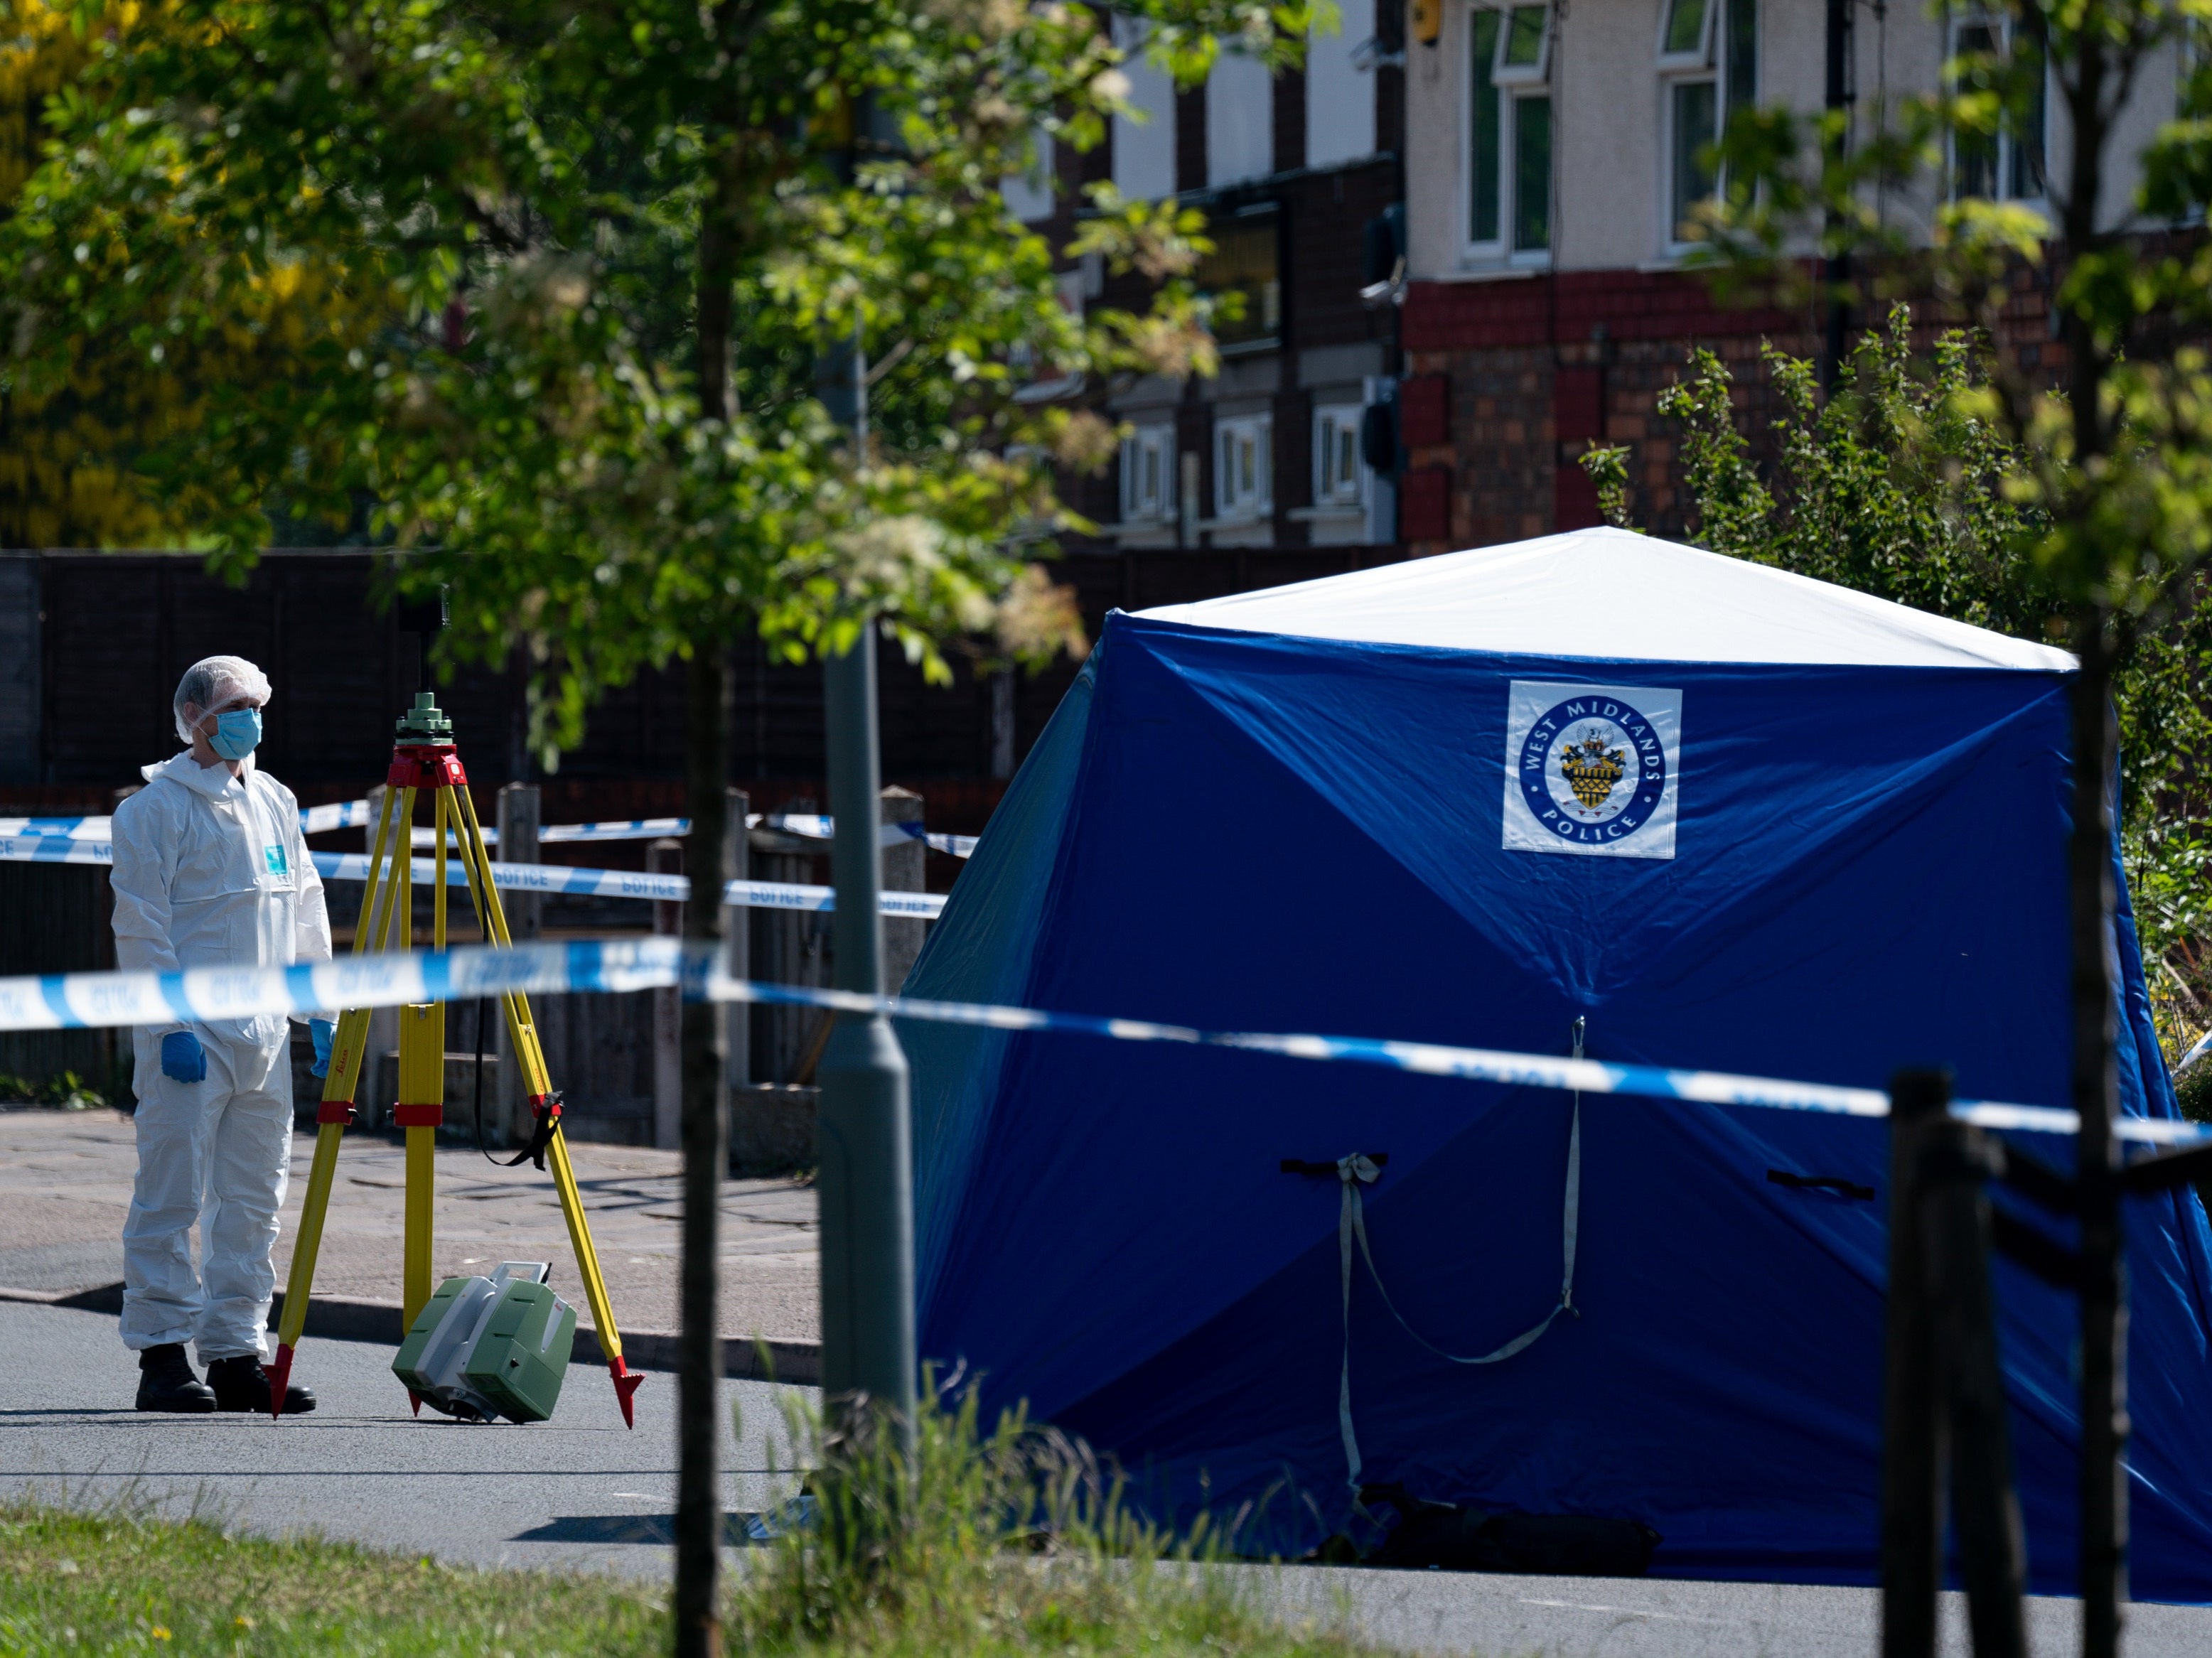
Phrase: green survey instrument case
x=485 y=1347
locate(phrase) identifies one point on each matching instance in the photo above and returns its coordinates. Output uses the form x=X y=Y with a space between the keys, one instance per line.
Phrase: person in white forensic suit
x=211 y=871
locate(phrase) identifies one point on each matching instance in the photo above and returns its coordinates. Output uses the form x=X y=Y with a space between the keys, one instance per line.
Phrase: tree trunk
x=710 y=692
x=2104 y=1540
x=2096 y=1088
x=699 y=1350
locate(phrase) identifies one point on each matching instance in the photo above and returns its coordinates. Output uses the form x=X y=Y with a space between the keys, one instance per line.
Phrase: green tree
x=70 y=441
x=2115 y=465
x=604 y=247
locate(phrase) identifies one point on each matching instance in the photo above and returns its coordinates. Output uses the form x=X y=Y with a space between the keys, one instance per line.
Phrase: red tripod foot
x=415 y=1401
x=625 y=1385
x=280 y=1373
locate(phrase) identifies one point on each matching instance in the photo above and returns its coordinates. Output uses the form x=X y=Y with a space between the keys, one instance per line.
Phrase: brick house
x=1552 y=169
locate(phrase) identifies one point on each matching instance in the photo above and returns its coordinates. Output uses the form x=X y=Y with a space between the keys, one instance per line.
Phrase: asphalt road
x=581 y=1491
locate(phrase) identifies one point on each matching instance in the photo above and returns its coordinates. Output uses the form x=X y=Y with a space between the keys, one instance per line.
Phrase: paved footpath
x=65 y=1185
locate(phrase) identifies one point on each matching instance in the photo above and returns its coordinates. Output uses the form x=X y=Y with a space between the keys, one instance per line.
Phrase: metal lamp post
x=863 y=1138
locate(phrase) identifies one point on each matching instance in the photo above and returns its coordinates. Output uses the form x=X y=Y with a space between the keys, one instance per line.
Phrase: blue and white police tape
x=630 y=829
x=810 y=826
x=813 y=826
x=351 y=814
x=354 y=814
x=631 y=884
x=344 y=814
x=76 y=1000
x=40 y=848
x=62 y=829
x=313 y=820
x=527 y=877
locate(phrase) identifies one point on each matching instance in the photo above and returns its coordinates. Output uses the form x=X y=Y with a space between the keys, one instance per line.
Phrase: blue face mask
x=237 y=733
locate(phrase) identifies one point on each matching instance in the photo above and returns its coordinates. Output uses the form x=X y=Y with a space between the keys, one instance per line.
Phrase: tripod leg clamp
x=340 y=1112
x=546 y=1107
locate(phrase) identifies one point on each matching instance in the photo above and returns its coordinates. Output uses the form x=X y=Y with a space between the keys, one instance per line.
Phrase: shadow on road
x=629 y=1528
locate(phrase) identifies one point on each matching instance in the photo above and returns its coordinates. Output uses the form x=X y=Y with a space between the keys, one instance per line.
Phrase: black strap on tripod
x=549 y=1124
x=484 y=1006
x=549 y=1120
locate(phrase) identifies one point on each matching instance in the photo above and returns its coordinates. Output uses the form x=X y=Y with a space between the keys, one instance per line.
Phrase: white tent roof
x=1610 y=594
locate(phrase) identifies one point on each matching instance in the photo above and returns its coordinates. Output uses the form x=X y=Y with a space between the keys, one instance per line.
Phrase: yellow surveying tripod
x=423 y=758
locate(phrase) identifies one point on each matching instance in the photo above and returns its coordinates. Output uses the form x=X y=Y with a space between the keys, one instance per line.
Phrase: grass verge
x=1000 y=1545
x=125 y=1581
x=1004 y=1544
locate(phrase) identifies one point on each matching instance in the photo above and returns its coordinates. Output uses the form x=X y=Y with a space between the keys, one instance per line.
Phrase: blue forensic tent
x=1730 y=818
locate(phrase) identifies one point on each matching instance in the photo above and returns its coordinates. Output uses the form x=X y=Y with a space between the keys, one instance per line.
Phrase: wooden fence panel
x=57 y=918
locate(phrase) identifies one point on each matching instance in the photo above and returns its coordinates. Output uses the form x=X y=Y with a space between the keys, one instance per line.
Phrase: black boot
x=240 y=1384
x=165 y=1382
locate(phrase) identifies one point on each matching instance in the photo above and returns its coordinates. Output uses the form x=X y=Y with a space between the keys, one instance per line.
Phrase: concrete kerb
x=344 y=1319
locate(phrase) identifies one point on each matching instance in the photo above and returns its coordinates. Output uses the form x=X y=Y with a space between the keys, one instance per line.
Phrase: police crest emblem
x=1592 y=769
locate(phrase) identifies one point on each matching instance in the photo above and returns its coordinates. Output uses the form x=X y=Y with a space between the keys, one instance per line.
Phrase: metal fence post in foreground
x=1956 y=1164
x=665 y=857
x=1911 y=1491
x=1945 y=1432
x=736 y=1018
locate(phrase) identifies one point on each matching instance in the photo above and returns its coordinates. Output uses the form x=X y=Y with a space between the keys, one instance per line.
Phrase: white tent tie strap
x=1358 y=1170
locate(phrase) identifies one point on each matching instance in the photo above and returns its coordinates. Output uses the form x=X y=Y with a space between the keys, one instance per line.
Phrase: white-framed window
x=1508 y=133
x=1337 y=480
x=1244 y=466
x=1148 y=490
x=1341 y=88
x=2007 y=167
x=1708 y=58
x=1028 y=194
x=1144 y=149
x=2192 y=52
x=1685 y=34
x=1240 y=119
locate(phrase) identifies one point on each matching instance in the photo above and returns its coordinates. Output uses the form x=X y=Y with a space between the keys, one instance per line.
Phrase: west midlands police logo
x=1591 y=769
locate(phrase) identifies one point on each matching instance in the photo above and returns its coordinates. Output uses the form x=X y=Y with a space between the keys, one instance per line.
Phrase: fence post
x=518 y=820
x=736 y=943
x=1002 y=723
x=791 y=951
x=1911 y=1489
x=1956 y=1163
x=383 y=1022
x=666 y=858
x=905 y=865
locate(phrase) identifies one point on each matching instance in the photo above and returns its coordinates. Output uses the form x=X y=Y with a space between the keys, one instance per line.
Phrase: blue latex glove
x=321 y=1030
x=182 y=1059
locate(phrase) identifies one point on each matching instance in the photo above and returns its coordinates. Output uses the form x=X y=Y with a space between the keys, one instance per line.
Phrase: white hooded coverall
x=210 y=871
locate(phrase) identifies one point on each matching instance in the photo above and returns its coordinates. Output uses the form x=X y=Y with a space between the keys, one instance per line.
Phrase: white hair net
x=211 y=681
